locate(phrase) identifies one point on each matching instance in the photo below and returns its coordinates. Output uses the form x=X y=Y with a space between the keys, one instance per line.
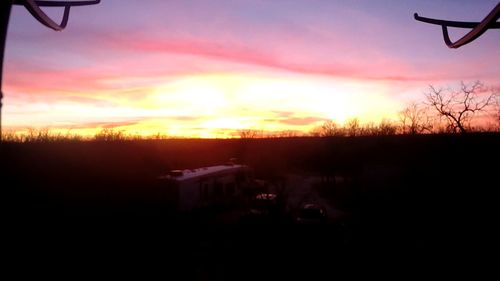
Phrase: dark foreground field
x=420 y=200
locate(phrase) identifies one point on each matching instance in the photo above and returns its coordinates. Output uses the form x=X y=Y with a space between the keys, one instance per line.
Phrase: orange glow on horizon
x=215 y=106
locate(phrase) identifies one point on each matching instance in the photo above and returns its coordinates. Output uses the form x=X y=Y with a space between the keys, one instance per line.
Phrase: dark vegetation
x=426 y=196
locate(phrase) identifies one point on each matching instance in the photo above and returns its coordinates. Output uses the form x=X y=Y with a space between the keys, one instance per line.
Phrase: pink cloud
x=297 y=55
x=287 y=60
x=137 y=54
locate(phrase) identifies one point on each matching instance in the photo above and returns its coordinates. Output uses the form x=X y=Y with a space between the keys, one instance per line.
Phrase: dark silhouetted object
x=478 y=28
x=33 y=6
x=459 y=107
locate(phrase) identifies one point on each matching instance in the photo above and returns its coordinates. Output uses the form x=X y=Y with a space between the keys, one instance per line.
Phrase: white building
x=206 y=186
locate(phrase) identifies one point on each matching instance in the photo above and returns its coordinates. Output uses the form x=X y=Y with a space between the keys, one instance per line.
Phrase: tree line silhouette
x=443 y=110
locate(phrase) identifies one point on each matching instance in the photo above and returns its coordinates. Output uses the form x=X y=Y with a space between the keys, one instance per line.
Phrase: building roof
x=183 y=175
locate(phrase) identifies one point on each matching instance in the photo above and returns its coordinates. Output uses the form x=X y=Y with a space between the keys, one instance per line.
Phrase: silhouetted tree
x=315 y=132
x=109 y=134
x=369 y=129
x=328 y=129
x=386 y=128
x=496 y=115
x=352 y=127
x=250 y=134
x=459 y=107
x=288 y=134
x=415 y=119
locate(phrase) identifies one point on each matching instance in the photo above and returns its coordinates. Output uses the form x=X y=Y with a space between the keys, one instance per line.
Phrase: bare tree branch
x=415 y=119
x=459 y=107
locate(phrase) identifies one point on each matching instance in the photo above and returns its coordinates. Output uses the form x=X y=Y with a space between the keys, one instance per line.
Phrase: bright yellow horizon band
x=213 y=106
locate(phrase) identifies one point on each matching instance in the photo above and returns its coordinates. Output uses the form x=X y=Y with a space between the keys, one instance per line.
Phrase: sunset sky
x=211 y=68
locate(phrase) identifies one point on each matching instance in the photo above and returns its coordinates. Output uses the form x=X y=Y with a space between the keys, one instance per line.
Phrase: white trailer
x=207 y=186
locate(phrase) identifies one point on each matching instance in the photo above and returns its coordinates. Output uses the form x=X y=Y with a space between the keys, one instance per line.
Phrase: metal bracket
x=33 y=6
x=478 y=28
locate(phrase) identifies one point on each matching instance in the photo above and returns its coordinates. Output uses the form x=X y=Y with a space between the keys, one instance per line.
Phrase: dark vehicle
x=263 y=208
x=311 y=214
x=264 y=204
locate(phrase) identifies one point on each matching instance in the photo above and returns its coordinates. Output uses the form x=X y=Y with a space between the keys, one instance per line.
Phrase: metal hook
x=33 y=6
x=478 y=28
